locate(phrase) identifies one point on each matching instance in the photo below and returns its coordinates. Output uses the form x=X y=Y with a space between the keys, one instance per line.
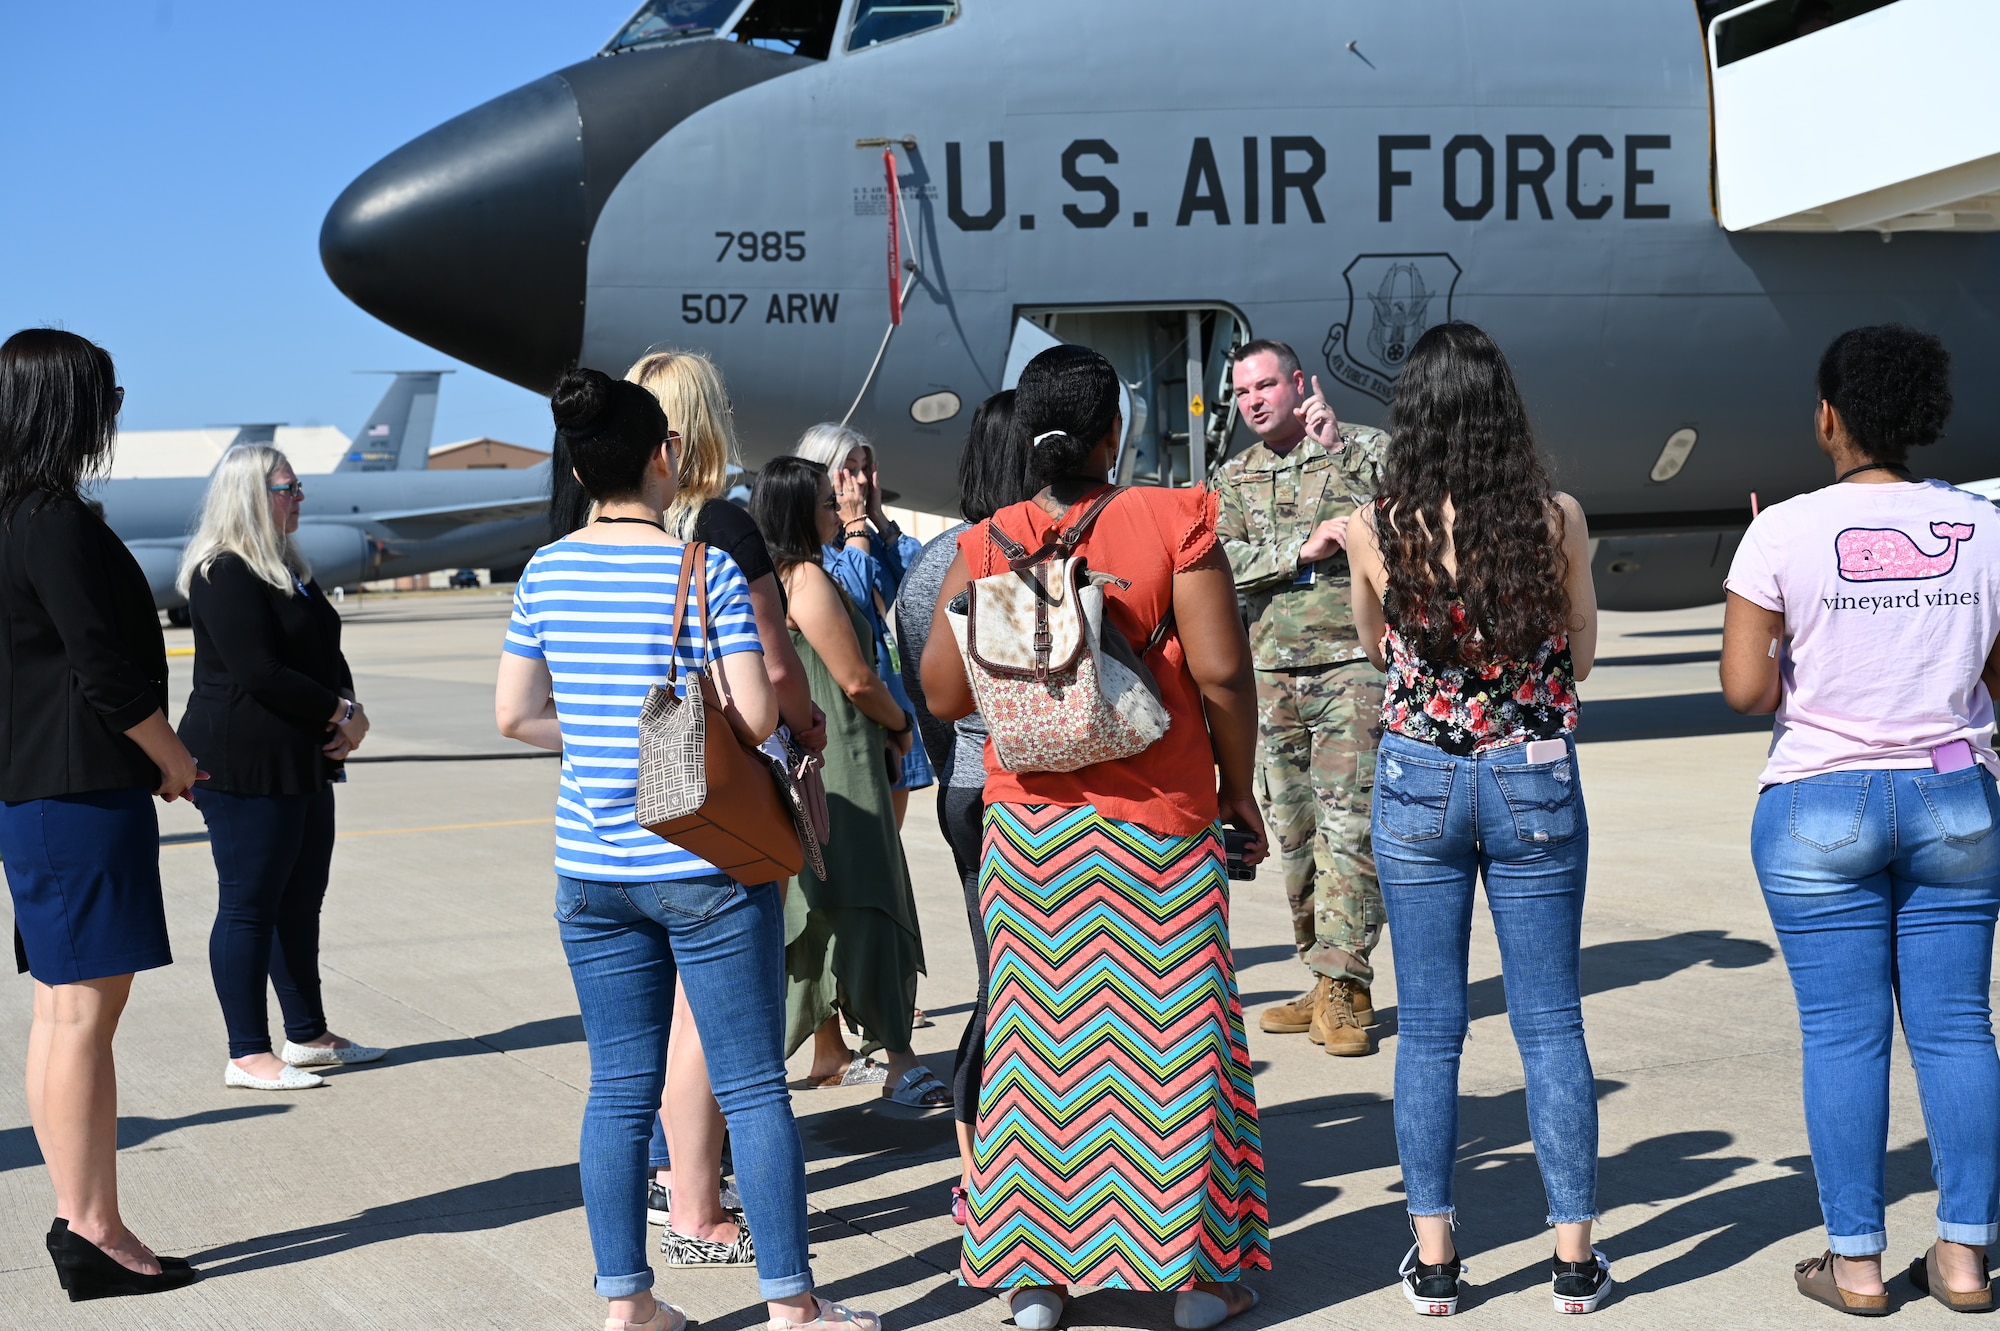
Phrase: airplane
x=1663 y=212
x=377 y=514
x=397 y=434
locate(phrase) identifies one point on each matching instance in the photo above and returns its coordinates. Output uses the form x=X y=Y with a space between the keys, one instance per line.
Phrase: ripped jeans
x=1440 y=822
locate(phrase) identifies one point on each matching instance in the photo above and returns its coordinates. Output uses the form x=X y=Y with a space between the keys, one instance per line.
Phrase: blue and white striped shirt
x=600 y=615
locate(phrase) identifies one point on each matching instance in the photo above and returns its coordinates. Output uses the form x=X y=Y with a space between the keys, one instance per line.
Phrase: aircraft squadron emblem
x=1404 y=295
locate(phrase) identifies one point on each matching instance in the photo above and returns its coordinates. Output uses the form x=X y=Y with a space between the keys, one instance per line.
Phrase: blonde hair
x=236 y=519
x=829 y=444
x=690 y=391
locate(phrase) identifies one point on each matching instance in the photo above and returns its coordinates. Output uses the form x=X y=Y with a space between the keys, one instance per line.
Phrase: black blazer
x=267 y=675
x=82 y=658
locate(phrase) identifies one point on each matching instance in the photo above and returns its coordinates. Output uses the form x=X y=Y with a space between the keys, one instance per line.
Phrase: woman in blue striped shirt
x=591 y=633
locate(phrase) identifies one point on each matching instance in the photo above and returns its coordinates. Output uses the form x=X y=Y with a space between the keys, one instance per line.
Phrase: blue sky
x=169 y=163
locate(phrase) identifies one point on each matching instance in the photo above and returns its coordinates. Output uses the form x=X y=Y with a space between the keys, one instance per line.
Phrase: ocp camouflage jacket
x=1269 y=505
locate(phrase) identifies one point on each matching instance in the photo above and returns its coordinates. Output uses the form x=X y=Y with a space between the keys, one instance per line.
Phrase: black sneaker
x=1579 y=1287
x=659 y=1196
x=1431 y=1290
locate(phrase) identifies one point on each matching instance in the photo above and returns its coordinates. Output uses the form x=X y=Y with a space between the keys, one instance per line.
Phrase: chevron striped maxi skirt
x=1117 y=1139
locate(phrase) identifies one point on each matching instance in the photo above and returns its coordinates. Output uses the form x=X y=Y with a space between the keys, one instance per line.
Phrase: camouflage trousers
x=1317 y=734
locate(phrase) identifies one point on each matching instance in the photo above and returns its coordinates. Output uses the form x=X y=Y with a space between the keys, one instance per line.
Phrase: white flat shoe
x=1198 y=1310
x=292 y=1079
x=665 y=1317
x=313 y=1056
x=1036 y=1309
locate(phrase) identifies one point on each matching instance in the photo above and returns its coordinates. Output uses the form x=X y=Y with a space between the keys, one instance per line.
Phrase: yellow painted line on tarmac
x=402 y=831
x=448 y=827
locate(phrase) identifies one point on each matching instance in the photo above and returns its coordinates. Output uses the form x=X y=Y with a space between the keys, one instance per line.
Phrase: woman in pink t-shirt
x=1866 y=615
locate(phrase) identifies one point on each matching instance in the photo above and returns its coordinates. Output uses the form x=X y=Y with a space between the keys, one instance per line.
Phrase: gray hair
x=829 y=445
x=236 y=519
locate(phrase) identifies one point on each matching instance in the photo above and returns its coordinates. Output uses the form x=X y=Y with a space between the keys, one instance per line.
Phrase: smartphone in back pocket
x=1953 y=757
x=1546 y=750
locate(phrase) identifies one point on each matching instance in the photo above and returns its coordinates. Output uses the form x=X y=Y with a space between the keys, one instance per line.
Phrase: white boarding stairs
x=1887 y=121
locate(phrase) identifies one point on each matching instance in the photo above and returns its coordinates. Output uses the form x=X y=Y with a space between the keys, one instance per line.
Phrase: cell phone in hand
x=1234 y=843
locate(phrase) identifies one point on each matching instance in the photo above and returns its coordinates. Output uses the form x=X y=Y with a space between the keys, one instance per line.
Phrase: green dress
x=852 y=945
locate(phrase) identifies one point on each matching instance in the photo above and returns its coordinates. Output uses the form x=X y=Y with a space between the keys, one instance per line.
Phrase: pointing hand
x=1320 y=422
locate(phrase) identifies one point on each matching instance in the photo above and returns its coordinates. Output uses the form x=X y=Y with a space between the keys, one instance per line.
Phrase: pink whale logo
x=1883 y=554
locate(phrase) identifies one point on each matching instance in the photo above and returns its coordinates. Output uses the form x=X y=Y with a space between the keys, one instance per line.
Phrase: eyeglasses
x=291 y=490
x=673 y=437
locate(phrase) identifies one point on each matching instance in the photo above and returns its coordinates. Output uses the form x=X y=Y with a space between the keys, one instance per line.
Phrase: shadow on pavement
x=528 y=1035
x=18 y=1149
x=527 y=1194
x=1621 y=964
x=1676 y=716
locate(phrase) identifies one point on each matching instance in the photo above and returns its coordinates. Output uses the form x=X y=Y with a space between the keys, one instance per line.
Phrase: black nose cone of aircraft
x=474 y=238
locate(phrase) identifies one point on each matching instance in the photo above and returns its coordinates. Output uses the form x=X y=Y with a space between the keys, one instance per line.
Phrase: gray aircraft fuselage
x=355 y=525
x=1341 y=174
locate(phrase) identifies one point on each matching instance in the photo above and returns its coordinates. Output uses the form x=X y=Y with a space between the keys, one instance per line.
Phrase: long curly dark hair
x=1461 y=434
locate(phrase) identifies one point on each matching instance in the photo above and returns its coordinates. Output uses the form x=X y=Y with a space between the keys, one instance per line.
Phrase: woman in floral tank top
x=1472 y=589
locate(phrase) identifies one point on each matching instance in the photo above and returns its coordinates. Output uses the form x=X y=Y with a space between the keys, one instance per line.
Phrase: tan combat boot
x=1334 y=1025
x=1296 y=1016
x=1364 y=1003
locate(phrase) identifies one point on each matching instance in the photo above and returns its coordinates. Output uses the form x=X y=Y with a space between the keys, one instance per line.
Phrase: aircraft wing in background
x=422 y=524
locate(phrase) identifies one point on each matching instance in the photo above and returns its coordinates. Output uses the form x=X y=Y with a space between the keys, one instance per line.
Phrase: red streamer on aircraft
x=895 y=239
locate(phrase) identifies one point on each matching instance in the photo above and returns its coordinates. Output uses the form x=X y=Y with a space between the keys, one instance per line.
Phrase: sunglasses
x=291 y=490
x=830 y=503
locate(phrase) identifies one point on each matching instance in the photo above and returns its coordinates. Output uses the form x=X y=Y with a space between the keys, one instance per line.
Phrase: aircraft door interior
x=1174 y=361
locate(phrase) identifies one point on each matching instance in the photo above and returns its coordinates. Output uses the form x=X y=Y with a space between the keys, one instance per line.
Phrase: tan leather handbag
x=700 y=786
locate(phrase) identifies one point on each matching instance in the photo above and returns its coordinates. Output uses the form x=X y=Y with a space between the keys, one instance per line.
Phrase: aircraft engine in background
x=160 y=561
x=1662 y=572
x=340 y=555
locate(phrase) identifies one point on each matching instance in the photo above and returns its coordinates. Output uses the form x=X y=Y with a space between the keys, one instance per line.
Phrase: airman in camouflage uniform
x=1284 y=505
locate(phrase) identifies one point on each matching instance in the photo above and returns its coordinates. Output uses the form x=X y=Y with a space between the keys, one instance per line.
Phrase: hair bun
x=581 y=401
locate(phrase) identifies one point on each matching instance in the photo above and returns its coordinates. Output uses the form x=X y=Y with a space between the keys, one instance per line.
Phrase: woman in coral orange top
x=1116 y=1141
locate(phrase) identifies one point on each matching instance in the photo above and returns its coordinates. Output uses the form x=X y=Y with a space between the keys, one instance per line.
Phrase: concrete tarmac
x=438 y=1188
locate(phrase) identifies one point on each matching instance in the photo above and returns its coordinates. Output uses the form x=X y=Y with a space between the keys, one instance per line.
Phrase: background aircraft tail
x=397 y=434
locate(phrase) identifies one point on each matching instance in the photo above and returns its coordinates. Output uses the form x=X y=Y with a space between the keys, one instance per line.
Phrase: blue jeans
x=625 y=942
x=1884 y=886
x=1439 y=823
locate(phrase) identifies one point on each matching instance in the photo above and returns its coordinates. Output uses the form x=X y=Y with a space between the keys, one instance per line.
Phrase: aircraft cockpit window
x=1765 y=26
x=878 y=21
x=800 y=27
x=669 y=21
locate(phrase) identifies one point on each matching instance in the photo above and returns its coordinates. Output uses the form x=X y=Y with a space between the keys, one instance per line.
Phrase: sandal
x=919 y=1089
x=1924 y=1274
x=1815 y=1279
x=958 y=1205
x=861 y=1072
x=832 y=1317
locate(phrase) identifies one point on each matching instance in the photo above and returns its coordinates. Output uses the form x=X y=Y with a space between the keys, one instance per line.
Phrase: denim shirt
x=866 y=574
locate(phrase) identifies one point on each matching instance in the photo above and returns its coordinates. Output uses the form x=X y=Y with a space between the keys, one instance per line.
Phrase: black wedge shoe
x=88 y=1272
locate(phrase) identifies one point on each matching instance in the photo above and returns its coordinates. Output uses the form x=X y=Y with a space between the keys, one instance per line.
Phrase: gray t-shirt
x=957 y=751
